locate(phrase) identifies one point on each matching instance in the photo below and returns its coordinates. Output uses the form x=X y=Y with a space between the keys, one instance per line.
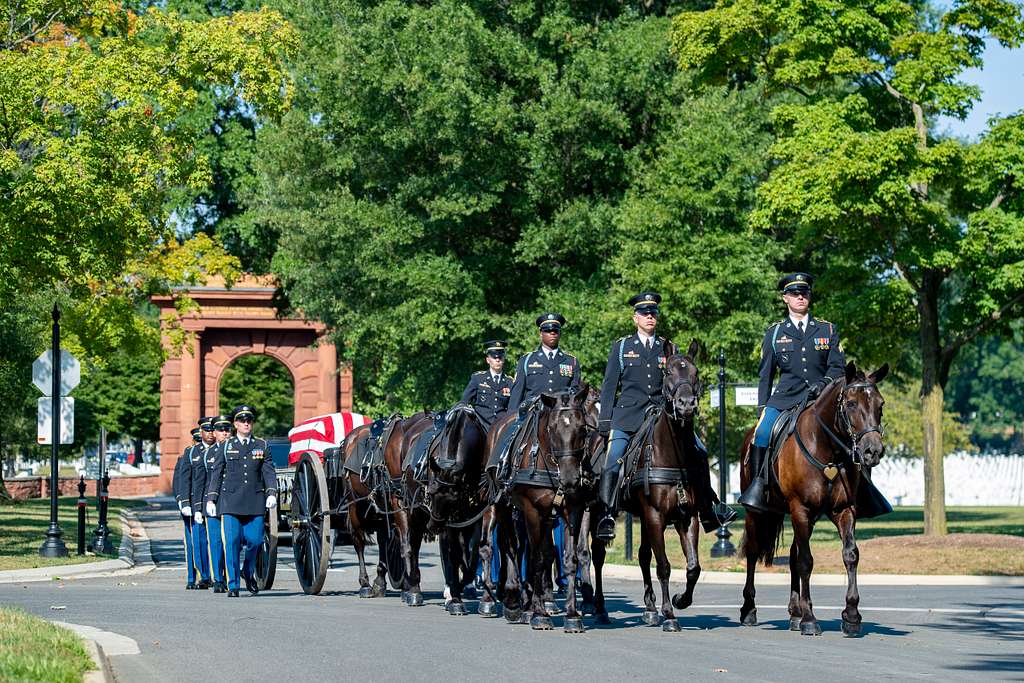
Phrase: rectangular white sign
x=714 y=397
x=44 y=421
x=746 y=396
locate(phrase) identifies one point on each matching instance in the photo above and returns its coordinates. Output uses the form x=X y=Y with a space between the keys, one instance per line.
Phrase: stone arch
x=232 y=323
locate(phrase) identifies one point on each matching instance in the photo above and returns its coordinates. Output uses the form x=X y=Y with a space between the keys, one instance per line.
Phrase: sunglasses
x=801 y=295
x=222 y=429
x=207 y=428
x=246 y=420
x=652 y=314
x=551 y=329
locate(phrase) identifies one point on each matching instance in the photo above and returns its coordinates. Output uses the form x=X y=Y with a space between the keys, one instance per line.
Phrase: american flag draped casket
x=320 y=433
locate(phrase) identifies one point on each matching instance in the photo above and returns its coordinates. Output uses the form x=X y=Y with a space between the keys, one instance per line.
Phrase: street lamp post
x=54 y=546
x=723 y=547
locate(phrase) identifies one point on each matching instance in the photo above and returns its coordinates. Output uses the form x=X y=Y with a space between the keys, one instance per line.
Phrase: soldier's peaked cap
x=496 y=347
x=222 y=420
x=550 y=319
x=243 y=411
x=645 y=302
x=206 y=421
x=796 y=282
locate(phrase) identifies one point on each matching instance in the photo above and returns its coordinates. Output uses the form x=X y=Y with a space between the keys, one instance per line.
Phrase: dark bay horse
x=817 y=473
x=667 y=496
x=447 y=502
x=374 y=503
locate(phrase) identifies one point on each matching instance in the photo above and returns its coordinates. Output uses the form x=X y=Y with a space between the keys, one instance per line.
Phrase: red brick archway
x=232 y=323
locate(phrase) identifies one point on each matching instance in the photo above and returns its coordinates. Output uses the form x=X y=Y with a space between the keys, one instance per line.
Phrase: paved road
x=936 y=633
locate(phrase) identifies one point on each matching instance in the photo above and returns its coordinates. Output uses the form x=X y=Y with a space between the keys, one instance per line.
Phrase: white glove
x=271 y=501
x=211 y=509
x=199 y=517
x=180 y=505
x=186 y=510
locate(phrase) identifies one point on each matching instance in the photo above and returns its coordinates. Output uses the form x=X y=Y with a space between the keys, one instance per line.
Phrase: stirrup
x=606 y=528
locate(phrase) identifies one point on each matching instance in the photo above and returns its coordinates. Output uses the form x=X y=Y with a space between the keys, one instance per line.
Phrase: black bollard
x=723 y=547
x=101 y=537
x=81 y=515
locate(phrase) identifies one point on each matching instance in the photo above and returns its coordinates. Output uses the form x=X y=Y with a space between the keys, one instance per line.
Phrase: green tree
x=265 y=384
x=453 y=169
x=933 y=225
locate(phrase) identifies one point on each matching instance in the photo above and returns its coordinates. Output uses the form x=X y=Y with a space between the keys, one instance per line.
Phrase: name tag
x=783 y=340
x=631 y=354
x=535 y=364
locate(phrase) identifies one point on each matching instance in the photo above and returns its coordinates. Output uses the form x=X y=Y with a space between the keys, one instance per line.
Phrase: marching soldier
x=633 y=381
x=242 y=486
x=488 y=391
x=806 y=353
x=214 y=534
x=181 y=487
x=197 y=461
x=548 y=369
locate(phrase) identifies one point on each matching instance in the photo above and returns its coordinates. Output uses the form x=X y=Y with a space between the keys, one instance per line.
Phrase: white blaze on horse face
x=565 y=420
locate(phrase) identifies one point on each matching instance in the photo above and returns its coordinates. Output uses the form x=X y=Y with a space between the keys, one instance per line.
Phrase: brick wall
x=120 y=487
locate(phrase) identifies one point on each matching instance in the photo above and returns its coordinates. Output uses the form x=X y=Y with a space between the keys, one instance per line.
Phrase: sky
x=1002 y=86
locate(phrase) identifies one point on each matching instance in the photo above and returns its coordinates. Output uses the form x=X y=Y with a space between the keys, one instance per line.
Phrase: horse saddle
x=638 y=469
x=369 y=452
x=781 y=430
x=514 y=439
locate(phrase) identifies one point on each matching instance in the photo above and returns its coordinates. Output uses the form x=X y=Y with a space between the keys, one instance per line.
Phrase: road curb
x=135 y=550
x=632 y=573
x=102 y=672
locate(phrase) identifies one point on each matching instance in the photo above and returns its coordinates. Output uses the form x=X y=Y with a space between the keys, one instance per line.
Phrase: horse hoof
x=404 y=597
x=794 y=623
x=512 y=615
x=524 y=618
x=541 y=623
x=414 y=600
x=487 y=609
x=587 y=609
x=681 y=600
x=602 y=619
x=469 y=593
x=810 y=628
x=377 y=591
x=851 y=629
x=749 y=619
x=457 y=609
x=573 y=625
x=651 y=618
x=551 y=607
x=365 y=592
x=670 y=626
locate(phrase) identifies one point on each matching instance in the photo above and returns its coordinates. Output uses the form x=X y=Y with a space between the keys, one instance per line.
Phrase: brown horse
x=447 y=502
x=817 y=473
x=666 y=495
x=375 y=504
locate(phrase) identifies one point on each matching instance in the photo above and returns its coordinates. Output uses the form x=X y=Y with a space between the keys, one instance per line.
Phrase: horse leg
x=539 y=532
x=846 y=522
x=688 y=536
x=513 y=599
x=584 y=561
x=598 y=552
x=550 y=604
x=455 y=577
x=403 y=527
x=359 y=543
x=795 y=613
x=802 y=528
x=488 y=603
x=643 y=556
x=748 y=612
x=573 y=622
x=414 y=598
x=380 y=584
x=655 y=521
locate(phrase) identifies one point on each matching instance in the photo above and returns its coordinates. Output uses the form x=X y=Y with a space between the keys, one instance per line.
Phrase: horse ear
x=549 y=400
x=851 y=372
x=693 y=349
x=879 y=374
x=581 y=393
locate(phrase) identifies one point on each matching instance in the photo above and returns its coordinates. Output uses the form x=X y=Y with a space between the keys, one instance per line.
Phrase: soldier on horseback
x=633 y=381
x=806 y=353
x=488 y=391
x=548 y=369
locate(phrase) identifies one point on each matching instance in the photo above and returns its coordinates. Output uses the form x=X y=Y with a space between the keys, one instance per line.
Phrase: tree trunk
x=931 y=408
x=5 y=495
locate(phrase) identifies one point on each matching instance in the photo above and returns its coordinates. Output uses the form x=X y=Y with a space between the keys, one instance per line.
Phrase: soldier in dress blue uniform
x=806 y=353
x=488 y=391
x=633 y=379
x=181 y=487
x=546 y=370
x=214 y=534
x=197 y=462
x=242 y=487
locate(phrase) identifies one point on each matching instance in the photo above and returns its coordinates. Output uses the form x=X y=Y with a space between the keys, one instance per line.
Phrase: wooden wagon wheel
x=311 y=524
x=266 y=558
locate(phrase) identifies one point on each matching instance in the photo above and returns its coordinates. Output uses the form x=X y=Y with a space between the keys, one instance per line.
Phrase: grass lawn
x=23 y=526
x=982 y=540
x=32 y=649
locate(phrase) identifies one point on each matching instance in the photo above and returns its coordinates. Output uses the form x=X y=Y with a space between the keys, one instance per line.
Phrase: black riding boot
x=755 y=497
x=870 y=501
x=608 y=491
x=710 y=517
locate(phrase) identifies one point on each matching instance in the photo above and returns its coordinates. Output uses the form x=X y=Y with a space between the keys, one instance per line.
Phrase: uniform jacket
x=242 y=477
x=490 y=400
x=635 y=375
x=535 y=374
x=181 y=483
x=198 y=467
x=800 y=360
x=211 y=460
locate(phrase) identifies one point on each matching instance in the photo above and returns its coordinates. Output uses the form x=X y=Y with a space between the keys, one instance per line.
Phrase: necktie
x=800 y=326
x=494 y=379
x=648 y=344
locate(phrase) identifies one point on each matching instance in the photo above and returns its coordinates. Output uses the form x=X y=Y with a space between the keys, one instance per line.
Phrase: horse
x=374 y=503
x=667 y=494
x=446 y=502
x=817 y=472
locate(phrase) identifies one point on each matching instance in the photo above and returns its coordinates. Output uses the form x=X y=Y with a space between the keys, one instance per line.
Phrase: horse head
x=458 y=458
x=860 y=412
x=566 y=429
x=682 y=388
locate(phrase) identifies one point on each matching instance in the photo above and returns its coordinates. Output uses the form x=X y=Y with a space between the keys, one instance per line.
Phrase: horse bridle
x=852 y=451
x=557 y=454
x=697 y=389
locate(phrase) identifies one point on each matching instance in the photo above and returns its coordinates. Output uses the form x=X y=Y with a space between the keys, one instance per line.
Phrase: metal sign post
x=723 y=547
x=54 y=546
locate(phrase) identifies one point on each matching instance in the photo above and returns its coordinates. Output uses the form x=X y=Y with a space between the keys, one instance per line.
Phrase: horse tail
x=767 y=534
